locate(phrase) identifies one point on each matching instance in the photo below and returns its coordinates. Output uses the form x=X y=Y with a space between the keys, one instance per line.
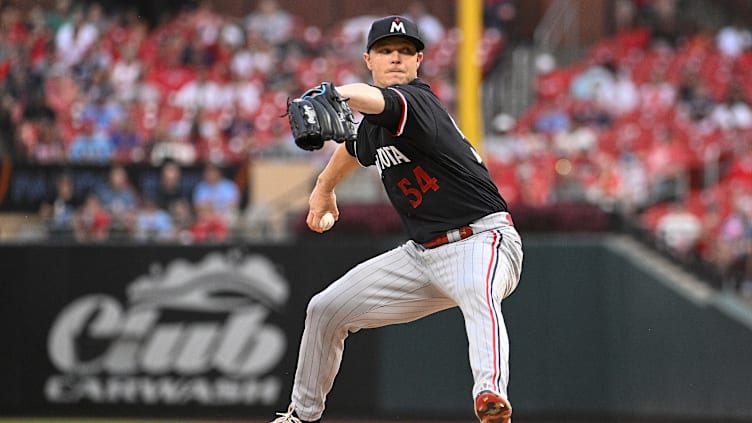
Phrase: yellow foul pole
x=470 y=21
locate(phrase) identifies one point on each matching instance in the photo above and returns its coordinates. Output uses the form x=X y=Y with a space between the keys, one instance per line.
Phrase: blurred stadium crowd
x=82 y=85
x=85 y=86
x=653 y=124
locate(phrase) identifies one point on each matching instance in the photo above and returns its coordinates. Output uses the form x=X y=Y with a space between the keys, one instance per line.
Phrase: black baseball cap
x=395 y=26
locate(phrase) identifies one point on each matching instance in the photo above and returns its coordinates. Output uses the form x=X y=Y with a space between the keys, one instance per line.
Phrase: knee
x=323 y=307
x=317 y=306
x=327 y=313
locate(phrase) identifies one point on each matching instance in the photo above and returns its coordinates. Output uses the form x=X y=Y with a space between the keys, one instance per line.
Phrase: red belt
x=450 y=236
x=457 y=234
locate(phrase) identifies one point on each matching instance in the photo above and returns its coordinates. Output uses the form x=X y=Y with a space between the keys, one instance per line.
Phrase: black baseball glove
x=320 y=114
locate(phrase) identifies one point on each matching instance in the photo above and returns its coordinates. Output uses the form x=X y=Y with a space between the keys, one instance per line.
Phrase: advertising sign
x=186 y=333
x=133 y=330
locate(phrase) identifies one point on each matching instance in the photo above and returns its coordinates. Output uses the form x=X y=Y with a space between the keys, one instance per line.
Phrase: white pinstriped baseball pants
x=405 y=284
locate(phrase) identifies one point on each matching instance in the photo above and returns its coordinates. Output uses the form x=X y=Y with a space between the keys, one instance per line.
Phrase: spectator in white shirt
x=430 y=26
x=679 y=229
x=734 y=113
x=201 y=93
x=732 y=40
x=74 y=38
x=270 y=21
x=125 y=75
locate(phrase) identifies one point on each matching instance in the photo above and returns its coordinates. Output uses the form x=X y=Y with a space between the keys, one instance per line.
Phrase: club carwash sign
x=144 y=352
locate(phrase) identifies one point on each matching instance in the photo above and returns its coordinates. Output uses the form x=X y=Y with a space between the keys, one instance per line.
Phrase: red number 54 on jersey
x=424 y=181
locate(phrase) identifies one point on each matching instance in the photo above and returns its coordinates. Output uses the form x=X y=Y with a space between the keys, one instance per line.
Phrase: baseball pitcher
x=463 y=250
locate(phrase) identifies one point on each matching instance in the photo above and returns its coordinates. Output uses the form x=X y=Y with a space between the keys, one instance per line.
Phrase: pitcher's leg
x=478 y=272
x=503 y=266
x=387 y=289
x=489 y=351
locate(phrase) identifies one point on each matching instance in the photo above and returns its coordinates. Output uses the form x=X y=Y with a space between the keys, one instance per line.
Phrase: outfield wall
x=186 y=331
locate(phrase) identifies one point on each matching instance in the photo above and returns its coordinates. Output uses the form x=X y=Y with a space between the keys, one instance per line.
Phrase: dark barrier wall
x=148 y=330
x=189 y=331
x=592 y=335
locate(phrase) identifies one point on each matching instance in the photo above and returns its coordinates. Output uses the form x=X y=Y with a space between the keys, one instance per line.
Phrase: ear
x=419 y=58
x=367 y=59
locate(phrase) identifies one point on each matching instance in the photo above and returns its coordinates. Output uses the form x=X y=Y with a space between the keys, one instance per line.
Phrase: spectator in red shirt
x=92 y=222
x=209 y=226
x=739 y=173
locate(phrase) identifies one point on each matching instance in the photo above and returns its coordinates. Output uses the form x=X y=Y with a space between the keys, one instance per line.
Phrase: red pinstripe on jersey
x=403 y=117
x=495 y=336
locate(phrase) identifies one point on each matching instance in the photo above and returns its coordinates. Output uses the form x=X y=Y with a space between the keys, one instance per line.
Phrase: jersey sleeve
x=361 y=148
x=394 y=116
x=404 y=112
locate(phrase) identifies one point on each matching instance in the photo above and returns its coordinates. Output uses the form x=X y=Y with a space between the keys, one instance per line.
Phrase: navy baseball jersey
x=432 y=175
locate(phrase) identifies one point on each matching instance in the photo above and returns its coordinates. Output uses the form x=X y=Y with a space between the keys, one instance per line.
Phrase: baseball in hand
x=327 y=221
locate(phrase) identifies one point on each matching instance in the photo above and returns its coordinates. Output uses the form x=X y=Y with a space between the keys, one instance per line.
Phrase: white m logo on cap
x=397 y=26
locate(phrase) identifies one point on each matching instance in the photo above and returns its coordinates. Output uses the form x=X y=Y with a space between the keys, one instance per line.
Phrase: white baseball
x=327 y=221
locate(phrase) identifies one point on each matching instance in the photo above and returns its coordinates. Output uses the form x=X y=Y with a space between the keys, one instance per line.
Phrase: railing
x=558 y=27
x=508 y=89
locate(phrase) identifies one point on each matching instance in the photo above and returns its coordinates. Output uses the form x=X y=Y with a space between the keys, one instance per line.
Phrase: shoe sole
x=491 y=408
